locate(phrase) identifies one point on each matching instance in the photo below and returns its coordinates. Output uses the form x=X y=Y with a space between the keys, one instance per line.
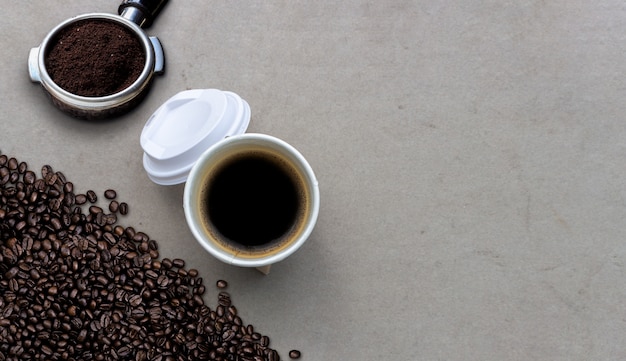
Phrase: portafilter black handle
x=141 y=12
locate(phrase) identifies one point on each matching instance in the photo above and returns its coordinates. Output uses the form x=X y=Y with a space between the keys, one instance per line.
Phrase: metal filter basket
x=133 y=15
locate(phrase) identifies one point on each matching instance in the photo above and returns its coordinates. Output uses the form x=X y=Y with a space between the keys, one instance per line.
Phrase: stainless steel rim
x=98 y=103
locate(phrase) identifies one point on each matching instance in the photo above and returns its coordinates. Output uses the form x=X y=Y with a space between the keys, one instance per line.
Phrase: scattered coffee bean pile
x=74 y=285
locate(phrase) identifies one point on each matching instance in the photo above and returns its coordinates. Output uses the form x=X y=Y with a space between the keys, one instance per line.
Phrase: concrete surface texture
x=470 y=157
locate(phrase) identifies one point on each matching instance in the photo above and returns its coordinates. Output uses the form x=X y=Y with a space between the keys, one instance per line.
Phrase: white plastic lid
x=185 y=126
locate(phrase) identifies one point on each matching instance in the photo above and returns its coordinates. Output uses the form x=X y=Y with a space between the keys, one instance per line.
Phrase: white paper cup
x=202 y=202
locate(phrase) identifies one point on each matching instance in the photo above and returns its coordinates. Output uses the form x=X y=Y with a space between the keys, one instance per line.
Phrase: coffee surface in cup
x=95 y=58
x=254 y=199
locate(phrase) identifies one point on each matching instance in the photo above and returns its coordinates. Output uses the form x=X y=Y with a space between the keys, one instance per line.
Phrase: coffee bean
x=199 y=290
x=135 y=300
x=68 y=187
x=265 y=341
x=91 y=196
x=80 y=199
x=95 y=210
x=273 y=356
x=123 y=351
x=198 y=300
x=123 y=208
x=224 y=299
x=163 y=281
x=12 y=272
x=29 y=177
x=114 y=206
x=166 y=263
x=22 y=167
x=110 y=194
x=14 y=286
x=221 y=284
x=12 y=163
x=51 y=179
x=178 y=263
x=56 y=223
x=110 y=219
x=110 y=238
x=294 y=354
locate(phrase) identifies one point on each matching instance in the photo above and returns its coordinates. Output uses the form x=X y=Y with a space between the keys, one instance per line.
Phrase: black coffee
x=253 y=199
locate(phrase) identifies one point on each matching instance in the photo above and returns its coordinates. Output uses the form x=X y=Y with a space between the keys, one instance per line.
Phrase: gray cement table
x=470 y=158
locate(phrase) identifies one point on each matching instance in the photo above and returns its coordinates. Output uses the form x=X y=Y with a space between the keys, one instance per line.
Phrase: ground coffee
x=95 y=58
x=75 y=285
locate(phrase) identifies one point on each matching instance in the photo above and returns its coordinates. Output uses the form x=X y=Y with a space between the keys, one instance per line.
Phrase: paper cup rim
x=188 y=202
